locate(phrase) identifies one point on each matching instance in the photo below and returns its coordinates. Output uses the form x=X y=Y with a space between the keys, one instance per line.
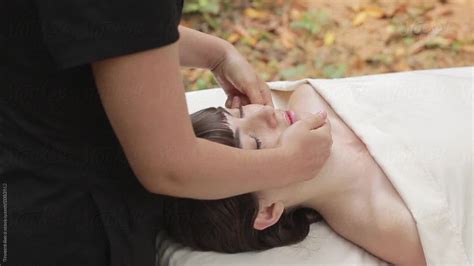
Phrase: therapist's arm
x=200 y=50
x=233 y=72
x=144 y=99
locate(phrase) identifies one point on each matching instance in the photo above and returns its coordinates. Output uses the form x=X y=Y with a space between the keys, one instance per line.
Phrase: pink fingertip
x=322 y=114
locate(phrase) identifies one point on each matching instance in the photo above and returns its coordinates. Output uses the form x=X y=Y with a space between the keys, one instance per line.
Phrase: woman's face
x=259 y=126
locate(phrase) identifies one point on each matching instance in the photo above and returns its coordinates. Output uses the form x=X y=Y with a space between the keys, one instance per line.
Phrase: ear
x=268 y=215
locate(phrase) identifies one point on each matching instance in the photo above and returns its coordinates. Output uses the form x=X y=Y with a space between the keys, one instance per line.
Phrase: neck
x=341 y=178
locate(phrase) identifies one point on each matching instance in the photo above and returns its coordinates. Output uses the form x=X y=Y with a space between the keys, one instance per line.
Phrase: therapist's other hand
x=239 y=80
x=307 y=144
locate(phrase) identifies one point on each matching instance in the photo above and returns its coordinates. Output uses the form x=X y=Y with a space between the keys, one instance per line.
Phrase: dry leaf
x=468 y=48
x=233 y=38
x=329 y=38
x=245 y=35
x=295 y=14
x=419 y=45
x=287 y=37
x=359 y=19
x=400 y=51
x=374 y=11
x=254 y=13
x=250 y=40
x=240 y=30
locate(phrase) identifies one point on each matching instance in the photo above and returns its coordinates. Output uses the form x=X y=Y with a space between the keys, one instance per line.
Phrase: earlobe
x=268 y=216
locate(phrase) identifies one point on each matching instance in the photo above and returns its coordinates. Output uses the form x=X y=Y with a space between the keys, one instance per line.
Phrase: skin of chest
x=365 y=199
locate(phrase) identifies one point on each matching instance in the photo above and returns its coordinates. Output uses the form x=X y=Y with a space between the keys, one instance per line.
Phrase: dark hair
x=226 y=225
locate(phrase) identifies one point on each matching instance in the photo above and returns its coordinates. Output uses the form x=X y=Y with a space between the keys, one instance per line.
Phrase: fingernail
x=322 y=114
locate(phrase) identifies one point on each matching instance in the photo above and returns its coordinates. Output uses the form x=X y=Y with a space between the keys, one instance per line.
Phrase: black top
x=71 y=196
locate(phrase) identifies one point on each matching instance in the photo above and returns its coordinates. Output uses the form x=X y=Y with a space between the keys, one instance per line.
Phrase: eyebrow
x=241 y=110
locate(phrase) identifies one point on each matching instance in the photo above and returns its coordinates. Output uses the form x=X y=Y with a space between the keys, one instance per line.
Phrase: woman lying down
x=351 y=193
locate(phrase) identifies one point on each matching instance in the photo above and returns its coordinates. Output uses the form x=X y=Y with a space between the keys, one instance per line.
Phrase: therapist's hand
x=239 y=79
x=307 y=144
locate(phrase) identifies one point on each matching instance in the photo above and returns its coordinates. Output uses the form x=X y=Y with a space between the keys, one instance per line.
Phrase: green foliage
x=205 y=81
x=456 y=45
x=334 y=71
x=211 y=21
x=201 y=84
x=408 y=40
x=206 y=8
x=311 y=21
x=201 y=6
x=293 y=72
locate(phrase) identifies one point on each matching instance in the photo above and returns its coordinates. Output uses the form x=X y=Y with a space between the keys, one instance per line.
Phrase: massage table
x=398 y=116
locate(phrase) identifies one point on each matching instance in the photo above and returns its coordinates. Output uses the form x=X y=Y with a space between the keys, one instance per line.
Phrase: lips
x=290 y=116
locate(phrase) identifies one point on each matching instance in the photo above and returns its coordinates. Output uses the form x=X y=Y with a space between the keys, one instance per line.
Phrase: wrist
x=201 y=50
x=224 y=49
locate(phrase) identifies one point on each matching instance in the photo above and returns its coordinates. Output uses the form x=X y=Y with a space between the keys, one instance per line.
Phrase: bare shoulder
x=303 y=98
x=306 y=99
x=303 y=90
x=379 y=223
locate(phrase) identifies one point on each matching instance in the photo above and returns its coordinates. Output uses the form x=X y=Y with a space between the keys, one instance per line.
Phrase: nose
x=267 y=113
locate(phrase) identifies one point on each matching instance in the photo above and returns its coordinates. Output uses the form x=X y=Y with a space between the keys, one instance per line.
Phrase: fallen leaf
x=438 y=42
x=359 y=19
x=374 y=11
x=249 y=40
x=468 y=48
x=287 y=38
x=240 y=30
x=359 y=64
x=254 y=13
x=419 y=45
x=399 y=51
x=295 y=14
x=233 y=38
x=329 y=38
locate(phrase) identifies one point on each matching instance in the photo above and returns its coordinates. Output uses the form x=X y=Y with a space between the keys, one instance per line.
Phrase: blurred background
x=293 y=39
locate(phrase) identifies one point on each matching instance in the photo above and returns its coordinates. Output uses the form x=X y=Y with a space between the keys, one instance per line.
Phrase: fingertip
x=322 y=114
x=235 y=102
x=268 y=98
x=255 y=96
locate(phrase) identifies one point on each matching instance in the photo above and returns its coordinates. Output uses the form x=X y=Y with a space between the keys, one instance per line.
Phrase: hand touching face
x=259 y=126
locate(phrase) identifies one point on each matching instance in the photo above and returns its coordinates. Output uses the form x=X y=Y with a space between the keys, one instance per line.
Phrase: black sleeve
x=78 y=32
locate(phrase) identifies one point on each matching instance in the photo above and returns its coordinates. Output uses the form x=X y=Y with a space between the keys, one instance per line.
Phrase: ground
x=288 y=40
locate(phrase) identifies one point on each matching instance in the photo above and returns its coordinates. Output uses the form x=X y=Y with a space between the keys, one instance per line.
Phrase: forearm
x=214 y=171
x=144 y=99
x=200 y=50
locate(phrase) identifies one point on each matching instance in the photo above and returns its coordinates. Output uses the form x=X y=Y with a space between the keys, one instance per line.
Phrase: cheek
x=272 y=138
x=276 y=133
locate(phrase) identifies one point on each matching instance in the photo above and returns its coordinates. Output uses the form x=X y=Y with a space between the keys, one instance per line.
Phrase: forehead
x=231 y=116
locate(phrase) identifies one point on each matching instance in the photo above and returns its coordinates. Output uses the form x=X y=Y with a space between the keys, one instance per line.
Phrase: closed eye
x=258 y=142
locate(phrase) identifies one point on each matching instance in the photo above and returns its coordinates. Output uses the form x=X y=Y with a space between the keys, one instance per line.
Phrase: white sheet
x=418 y=127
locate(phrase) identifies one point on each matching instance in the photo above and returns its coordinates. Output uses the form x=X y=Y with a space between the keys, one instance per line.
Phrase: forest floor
x=288 y=40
